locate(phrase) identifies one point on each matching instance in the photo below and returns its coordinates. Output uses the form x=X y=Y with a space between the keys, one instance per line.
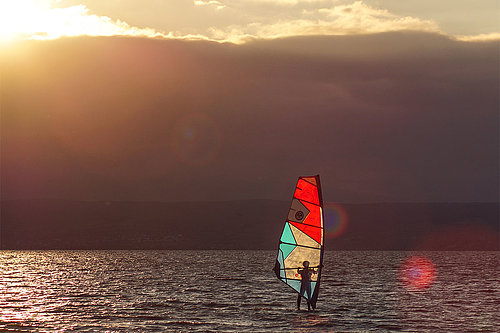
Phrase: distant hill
x=251 y=224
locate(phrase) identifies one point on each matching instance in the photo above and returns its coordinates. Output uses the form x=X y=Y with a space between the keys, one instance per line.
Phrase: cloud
x=355 y=18
x=395 y=116
x=234 y=21
x=479 y=38
x=217 y=4
x=361 y=18
x=292 y=2
x=39 y=20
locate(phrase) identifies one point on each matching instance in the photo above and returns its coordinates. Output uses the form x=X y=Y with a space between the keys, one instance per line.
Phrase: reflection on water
x=236 y=291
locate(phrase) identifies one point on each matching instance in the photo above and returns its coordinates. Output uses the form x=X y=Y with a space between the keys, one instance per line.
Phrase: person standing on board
x=305 y=283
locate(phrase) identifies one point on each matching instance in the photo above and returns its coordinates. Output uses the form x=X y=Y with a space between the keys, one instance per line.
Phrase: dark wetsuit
x=305 y=285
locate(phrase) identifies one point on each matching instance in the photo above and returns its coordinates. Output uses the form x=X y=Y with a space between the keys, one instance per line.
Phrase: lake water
x=236 y=291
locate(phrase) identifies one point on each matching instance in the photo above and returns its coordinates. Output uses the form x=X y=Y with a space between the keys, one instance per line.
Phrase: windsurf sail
x=302 y=238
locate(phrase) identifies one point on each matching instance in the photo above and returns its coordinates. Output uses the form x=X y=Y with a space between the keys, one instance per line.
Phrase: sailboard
x=302 y=238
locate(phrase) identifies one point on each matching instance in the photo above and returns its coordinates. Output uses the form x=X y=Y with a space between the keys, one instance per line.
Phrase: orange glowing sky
x=237 y=21
x=389 y=100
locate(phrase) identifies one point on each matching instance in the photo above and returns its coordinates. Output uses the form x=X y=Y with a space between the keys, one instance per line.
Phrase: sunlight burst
x=42 y=19
x=20 y=17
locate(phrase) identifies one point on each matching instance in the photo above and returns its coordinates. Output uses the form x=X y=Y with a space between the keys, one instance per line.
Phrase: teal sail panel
x=286 y=249
x=287 y=236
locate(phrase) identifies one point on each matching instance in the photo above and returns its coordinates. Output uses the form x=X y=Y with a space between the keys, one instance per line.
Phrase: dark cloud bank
x=395 y=117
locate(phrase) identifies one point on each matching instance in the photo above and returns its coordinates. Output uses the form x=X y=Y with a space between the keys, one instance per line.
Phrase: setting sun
x=18 y=17
x=29 y=18
x=43 y=19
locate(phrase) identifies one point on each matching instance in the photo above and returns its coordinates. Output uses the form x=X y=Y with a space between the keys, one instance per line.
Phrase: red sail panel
x=313 y=232
x=307 y=192
x=314 y=216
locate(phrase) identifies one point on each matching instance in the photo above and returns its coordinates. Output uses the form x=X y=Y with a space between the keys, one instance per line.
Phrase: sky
x=222 y=100
x=238 y=20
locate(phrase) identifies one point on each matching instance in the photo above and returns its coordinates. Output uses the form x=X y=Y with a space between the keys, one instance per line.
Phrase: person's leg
x=308 y=291
x=303 y=287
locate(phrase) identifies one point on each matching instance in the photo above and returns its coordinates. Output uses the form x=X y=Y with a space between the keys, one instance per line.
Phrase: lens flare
x=417 y=273
x=336 y=220
x=196 y=139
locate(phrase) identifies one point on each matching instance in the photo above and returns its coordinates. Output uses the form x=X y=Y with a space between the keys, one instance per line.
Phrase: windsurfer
x=305 y=283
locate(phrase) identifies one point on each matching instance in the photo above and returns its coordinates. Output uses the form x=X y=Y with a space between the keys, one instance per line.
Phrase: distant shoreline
x=48 y=224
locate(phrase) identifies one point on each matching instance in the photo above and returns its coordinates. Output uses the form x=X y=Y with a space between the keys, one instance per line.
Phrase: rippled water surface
x=236 y=291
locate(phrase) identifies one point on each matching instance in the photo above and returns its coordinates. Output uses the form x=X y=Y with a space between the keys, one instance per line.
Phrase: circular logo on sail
x=299 y=215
